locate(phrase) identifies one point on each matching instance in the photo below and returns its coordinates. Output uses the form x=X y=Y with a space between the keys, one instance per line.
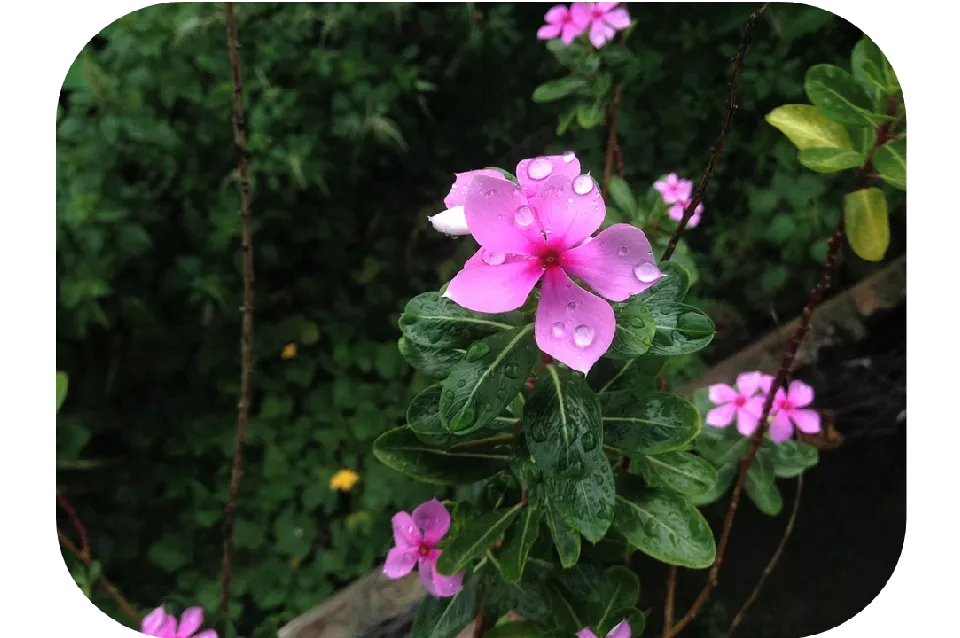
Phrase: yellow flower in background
x=289 y=351
x=344 y=480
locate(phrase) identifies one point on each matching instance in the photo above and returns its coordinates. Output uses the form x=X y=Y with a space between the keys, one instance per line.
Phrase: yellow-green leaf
x=868 y=229
x=807 y=127
x=890 y=161
x=831 y=160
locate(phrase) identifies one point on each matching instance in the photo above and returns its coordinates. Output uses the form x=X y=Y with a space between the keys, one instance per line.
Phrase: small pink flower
x=416 y=538
x=741 y=402
x=543 y=229
x=160 y=624
x=676 y=212
x=603 y=18
x=673 y=189
x=559 y=22
x=622 y=630
x=787 y=408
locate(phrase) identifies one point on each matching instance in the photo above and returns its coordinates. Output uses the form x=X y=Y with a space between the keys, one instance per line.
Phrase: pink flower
x=673 y=189
x=416 y=538
x=603 y=18
x=741 y=402
x=676 y=213
x=543 y=228
x=163 y=625
x=787 y=408
x=620 y=631
x=560 y=23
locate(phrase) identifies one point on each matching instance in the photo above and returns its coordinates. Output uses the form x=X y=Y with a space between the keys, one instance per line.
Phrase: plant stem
x=612 y=146
x=102 y=581
x=671 y=595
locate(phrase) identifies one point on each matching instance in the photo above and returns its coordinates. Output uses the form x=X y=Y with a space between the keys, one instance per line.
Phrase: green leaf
x=672 y=286
x=680 y=329
x=518 y=629
x=647 y=422
x=663 y=525
x=529 y=598
x=831 y=160
x=890 y=161
x=863 y=138
x=590 y=115
x=871 y=68
x=61 y=388
x=610 y=375
x=491 y=374
x=474 y=538
x=623 y=198
x=565 y=538
x=807 y=127
x=562 y=424
x=447 y=617
x=791 y=458
x=721 y=446
x=554 y=90
x=566 y=120
x=761 y=469
x=519 y=539
x=433 y=362
x=725 y=476
x=586 y=504
x=620 y=589
x=765 y=496
x=423 y=417
x=401 y=450
x=868 y=229
x=432 y=320
x=837 y=94
x=681 y=472
x=634 y=617
x=635 y=330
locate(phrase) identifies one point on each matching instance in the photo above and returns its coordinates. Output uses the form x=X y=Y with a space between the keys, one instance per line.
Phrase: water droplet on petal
x=559 y=330
x=647 y=272
x=568 y=157
x=583 y=335
x=539 y=168
x=492 y=258
x=587 y=241
x=582 y=184
x=622 y=251
x=572 y=306
x=490 y=193
x=523 y=216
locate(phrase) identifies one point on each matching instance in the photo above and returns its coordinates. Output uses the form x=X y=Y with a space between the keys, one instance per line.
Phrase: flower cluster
x=677 y=194
x=542 y=228
x=622 y=630
x=745 y=402
x=416 y=539
x=602 y=19
x=160 y=624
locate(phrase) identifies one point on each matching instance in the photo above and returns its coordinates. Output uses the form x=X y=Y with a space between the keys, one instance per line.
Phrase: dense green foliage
x=358 y=116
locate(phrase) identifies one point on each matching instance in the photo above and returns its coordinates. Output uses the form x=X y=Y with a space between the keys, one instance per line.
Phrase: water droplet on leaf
x=475 y=351
x=461 y=383
x=589 y=441
x=512 y=370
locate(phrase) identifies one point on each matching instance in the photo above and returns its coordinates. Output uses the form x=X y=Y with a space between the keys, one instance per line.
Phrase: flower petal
x=570 y=32
x=549 y=31
x=598 y=33
x=808 y=421
x=458 y=192
x=622 y=630
x=781 y=429
x=721 y=416
x=569 y=211
x=451 y=222
x=572 y=325
x=207 y=633
x=437 y=584
x=433 y=519
x=676 y=212
x=190 y=622
x=606 y=6
x=533 y=172
x=483 y=287
x=746 y=421
x=799 y=394
x=500 y=217
x=580 y=13
x=158 y=621
x=400 y=562
x=405 y=531
x=586 y=633
x=619 y=19
x=749 y=383
x=721 y=393
x=556 y=14
x=618 y=262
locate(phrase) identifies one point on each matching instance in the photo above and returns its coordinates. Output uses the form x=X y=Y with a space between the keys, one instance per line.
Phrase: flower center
x=596 y=13
x=549 y=259
x=740 y=401
x=786 y=405
x=424 y=549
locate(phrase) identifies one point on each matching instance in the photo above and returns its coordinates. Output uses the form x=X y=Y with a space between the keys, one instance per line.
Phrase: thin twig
x=612 y=140
x=102 y=580
x=773 y=561
x=671 y=596
x=246 y=338
x=731 y=108
x=75 y=523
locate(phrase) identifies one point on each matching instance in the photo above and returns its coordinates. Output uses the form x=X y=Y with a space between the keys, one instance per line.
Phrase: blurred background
x=358 y=116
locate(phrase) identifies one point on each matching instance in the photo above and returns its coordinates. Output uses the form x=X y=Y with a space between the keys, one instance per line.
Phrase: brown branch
x=731 y=108
x=671 y=595
x=773 y=561
x=75 y=523
x=102 y=580
x=246 y=338
x=612 y=145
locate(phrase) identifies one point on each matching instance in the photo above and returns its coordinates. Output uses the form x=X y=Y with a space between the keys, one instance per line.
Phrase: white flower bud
x=452 y=222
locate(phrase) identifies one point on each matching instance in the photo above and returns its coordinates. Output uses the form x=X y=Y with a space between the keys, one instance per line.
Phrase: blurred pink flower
x=676 y=212
x=673 y=189
x=788 y=413
x=559 y=22
x=622 y=630
x=742 y=402
x=160 y=624
x=416 y=538
x=603 y=18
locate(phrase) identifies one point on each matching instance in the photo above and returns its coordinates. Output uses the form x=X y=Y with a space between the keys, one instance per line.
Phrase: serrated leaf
x=635 y=329
x=554 y=90
x=807 y=127
x=765 y=496
x=890 y=161
x=672 y=285
x=681 y=472
x=680 y=329
x=431 y=320
x=433 y=362
x=401 y=450
x=565 y=538
x=474 y=538
x=791 y=458
x=586 y=504
x=447 y=617
x=831 y=160
x=518 y=541
x=61 y=388
x=839 y=96
x=867 y=225
x=647 y=422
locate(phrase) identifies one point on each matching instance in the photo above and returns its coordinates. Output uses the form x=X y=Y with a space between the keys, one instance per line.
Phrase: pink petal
x=721 y=393
x=556 y=14
x=580 y=13
x=676 y=212
x=433 y=519
x=572 y=325
x=781 y=429
x=158 y=623
x=494 y=288
x=754 y=406
x=586 y=633
x=799 y=394
x=458 y=192
x=694 y=220
x=405 y=532
x=207 y=633
x=685 y=189
x=598 y=34
x=190 y=622
x=749 y=383
x=500 y=217
x=618 y=262
x=532 y=173
x=606 y=6
x=437 y=584
x=746 y=421
x=807 y=421
x=400 y=562
x=622 y=630
x=548 y=31
x=619 y=19
x=765 y=383
x=722 y=415
x=569 y=211
x=570 y=32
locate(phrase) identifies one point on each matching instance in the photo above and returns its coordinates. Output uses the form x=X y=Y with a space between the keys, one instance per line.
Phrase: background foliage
x=358 y=117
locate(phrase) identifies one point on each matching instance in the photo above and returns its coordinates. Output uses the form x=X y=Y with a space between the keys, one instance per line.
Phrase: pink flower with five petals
x=542 y=228
x=559 y=22
x=676 y=212
x=603 y=18
x=416 y=538
x=622 y=630
x=160 y=624
x=742 y=402
x=673 y=189
x=788 y=410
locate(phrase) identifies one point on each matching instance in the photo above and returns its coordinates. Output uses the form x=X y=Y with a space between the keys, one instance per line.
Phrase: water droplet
x=501 y=393
x=623 y=251
x=539 y=168
x=637 y=322
x=461 y=383
x=492 y=258
x=647 y=272
x=559 y=330
x=582 y=184
x=538 y=430
x=583 y=335
x=490 y=193
x=512 y=370
x=465 y=420
x=569 y=201
x=589 y=441
x=523 y=216
x=587 y=241
x=475 y=351
x=571 y=306
x=500 y=217
x=568 y=157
